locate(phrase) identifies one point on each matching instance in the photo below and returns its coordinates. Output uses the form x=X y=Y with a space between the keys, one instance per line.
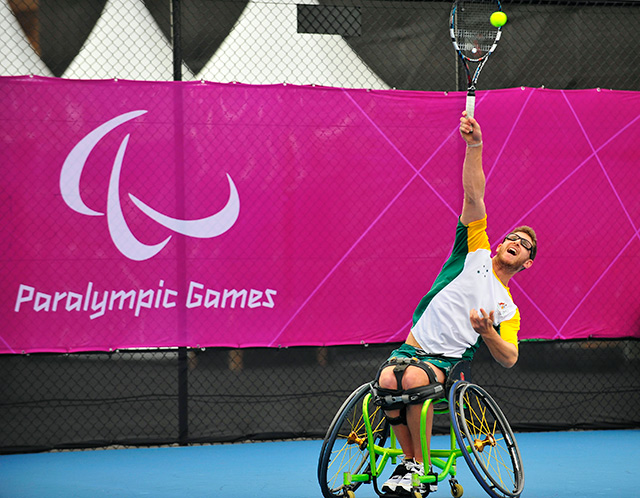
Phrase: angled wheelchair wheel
x=345 y=445
x=492 y=452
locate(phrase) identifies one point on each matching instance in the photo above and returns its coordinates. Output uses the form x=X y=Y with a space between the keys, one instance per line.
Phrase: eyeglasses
x=523 y=242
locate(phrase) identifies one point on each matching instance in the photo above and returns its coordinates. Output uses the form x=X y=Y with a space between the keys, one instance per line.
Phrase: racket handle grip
x=471 y=103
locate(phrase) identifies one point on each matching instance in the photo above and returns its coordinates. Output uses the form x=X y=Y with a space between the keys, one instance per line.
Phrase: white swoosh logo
x=75 y=161
x=121 y=234
x=204 y=228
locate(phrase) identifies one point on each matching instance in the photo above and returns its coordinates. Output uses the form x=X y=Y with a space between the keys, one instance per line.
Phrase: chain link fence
x=134 y=397
x=372 y=44
x=185 y=396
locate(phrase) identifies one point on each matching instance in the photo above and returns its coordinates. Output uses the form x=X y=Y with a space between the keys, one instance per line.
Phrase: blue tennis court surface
x=557 y=464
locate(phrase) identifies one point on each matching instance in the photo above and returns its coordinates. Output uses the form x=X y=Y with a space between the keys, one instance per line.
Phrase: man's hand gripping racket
x=470 y=130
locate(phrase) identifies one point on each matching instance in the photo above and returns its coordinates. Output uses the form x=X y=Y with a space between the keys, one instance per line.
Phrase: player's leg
x=397 y=419
x=414 y=378
x=397 y=380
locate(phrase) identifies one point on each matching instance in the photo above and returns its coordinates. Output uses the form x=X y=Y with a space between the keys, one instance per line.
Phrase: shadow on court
x=557 y=464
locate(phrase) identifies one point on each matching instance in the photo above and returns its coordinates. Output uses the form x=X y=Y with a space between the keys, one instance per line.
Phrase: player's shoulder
x=472 y=222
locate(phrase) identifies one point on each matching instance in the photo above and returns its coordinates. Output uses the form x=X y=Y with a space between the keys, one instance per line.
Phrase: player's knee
x=402 y=382
x=414 y=377
x=387 y=379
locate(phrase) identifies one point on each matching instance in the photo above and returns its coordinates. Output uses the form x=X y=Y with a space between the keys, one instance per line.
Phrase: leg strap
x=400 y=419
x=397 y=399
x=401 y=364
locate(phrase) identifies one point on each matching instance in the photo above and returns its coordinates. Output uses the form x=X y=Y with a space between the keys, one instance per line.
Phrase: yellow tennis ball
x=498 y=19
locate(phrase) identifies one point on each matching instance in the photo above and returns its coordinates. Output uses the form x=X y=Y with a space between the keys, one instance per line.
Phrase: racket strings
x=473 y=31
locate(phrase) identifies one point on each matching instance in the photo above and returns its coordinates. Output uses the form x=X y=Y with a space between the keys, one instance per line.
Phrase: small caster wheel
x=417 y=494
x=456 y=490
x=350 y=494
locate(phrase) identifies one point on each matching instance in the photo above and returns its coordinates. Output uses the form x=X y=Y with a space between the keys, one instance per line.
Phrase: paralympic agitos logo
x=121 y=235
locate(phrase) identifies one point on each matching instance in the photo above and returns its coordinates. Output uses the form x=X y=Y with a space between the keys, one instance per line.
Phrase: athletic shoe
x=398 y=474
x=405 y=484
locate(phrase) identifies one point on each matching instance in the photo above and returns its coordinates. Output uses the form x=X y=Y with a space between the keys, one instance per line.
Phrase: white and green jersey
x=441 y=323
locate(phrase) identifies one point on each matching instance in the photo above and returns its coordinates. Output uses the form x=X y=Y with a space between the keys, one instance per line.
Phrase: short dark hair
x=531 y=233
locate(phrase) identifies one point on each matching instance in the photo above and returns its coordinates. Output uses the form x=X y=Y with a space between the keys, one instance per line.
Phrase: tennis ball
x=498 y=19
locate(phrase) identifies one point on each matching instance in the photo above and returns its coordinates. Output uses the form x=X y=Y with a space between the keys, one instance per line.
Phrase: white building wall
x=263 y=48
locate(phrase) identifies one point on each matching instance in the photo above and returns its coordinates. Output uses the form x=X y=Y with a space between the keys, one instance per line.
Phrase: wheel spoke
x=345 y=446
x=481 y=427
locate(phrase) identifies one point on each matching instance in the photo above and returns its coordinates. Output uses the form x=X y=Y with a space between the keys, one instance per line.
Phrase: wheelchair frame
x=478 y=431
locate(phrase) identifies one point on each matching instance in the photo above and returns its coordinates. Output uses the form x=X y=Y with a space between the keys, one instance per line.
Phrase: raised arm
x=473 y=179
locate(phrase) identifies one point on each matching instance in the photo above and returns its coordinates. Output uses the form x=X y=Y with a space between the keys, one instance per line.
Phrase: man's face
x=513 y=254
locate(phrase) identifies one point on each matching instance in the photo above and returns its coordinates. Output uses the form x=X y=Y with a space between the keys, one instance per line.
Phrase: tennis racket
x=474 y=39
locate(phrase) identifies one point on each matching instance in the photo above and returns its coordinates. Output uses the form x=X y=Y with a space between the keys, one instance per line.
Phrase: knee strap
x=401 y=364
x=400 y=419
x=394 y=399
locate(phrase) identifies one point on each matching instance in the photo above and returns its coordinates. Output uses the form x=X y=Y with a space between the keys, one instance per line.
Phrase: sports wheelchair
x=360 y=442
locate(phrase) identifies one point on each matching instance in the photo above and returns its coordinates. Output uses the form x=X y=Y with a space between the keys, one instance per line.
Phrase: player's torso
x=444 y=326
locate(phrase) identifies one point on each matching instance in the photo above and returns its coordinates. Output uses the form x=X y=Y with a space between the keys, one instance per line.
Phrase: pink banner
x=153 y=214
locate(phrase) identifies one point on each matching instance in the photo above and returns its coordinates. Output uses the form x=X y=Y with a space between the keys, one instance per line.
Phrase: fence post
x=183 y=356
x=176 y=36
